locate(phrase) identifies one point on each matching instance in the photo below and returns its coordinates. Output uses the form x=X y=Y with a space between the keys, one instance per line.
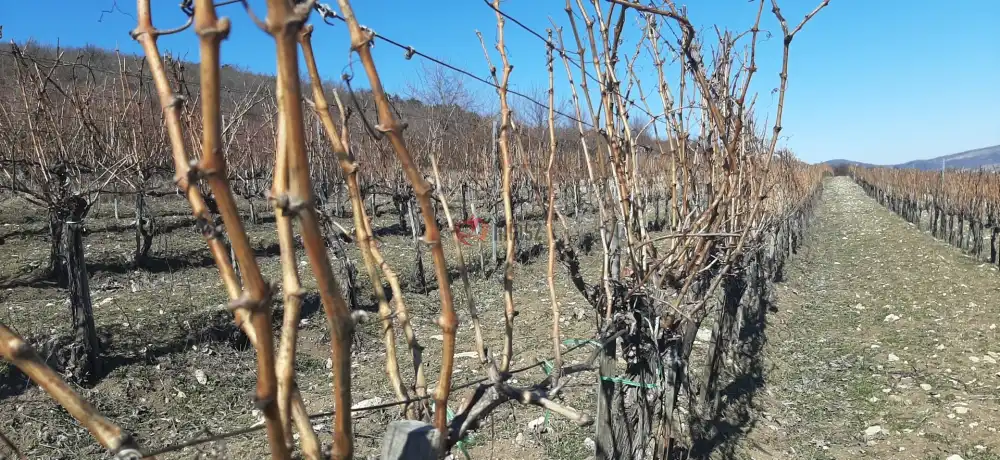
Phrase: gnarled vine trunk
x=144 y=229
x=85 y=361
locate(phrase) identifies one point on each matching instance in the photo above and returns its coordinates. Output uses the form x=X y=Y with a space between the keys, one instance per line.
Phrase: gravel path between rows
x=884 y=344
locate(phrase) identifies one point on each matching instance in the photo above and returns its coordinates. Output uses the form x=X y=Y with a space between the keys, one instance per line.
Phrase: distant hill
x=985 y=157
x=843 y=162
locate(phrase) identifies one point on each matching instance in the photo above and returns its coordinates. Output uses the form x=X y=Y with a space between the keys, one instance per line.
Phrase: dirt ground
x=884 y=344
x=163 y=324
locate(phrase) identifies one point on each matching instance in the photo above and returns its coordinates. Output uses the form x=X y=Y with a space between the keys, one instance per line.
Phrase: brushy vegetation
x=359 y=252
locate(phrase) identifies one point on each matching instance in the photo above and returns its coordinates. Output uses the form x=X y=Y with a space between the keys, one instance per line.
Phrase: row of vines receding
x=667 y=205
x=959 y=207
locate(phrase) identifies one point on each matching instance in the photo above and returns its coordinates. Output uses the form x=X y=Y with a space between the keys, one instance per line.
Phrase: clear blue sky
x=881 y=81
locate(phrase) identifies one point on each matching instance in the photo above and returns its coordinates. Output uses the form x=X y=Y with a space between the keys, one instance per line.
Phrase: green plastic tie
x=575 y=342
x=461 y=444
x=631 y=383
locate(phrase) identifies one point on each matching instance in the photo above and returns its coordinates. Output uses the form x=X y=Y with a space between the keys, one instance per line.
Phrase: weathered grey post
x=409 y=440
